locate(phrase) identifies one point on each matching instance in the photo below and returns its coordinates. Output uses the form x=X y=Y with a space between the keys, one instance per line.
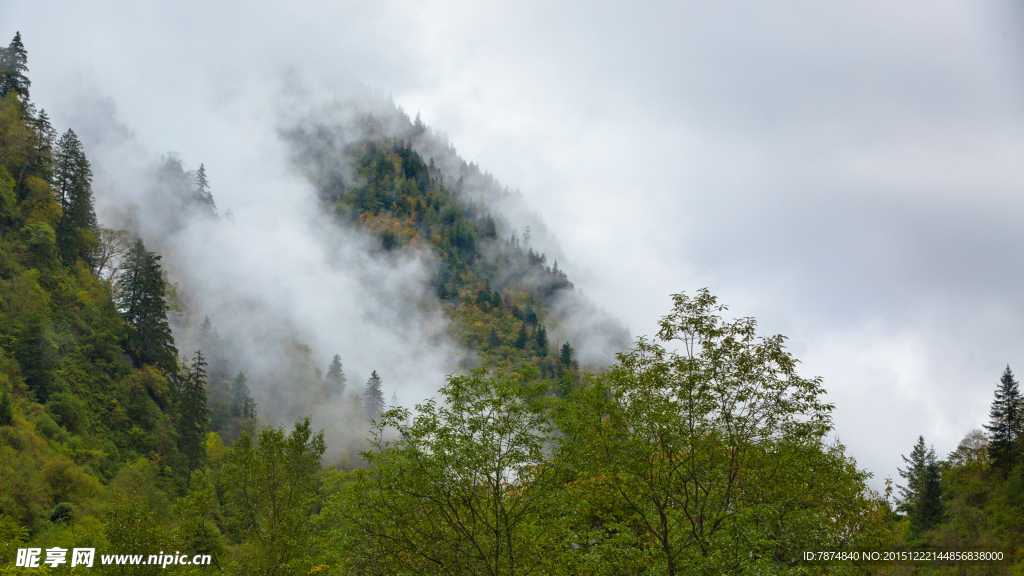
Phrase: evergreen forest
x=697 y=450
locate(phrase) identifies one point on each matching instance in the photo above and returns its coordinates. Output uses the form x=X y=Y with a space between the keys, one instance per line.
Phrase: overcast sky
x=852 y=175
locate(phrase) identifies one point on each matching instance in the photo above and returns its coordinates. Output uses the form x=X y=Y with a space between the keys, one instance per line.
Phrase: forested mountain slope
x=172 y=379
x=505 y=299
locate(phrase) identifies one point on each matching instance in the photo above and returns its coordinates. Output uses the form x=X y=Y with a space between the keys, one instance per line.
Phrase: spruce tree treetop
x=194 y=421
x=13 y=66
x=1005 y=422
x=373 y=397
x=542 y=340
x=921 y=498
x=76 y=231
x=335 y=378
x=565 y=356
x=202 y=192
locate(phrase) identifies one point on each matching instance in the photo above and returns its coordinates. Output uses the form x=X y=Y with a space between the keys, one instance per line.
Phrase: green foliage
x=542 y=339
x=373 y=397
x=335 y=379
x=142 y=300
x=76 y=233
x=6 y=410
x=922 y=497
x=270 y=488
x=199 y=514
x=1006 y=423
x=406 y=202
x=459 y=490
x=194 y=421
x=706 y=461
x=709 y=460
x=242 y=404
x=13 y=66
x=12 y=537
x=68 y=411
x=132 y=527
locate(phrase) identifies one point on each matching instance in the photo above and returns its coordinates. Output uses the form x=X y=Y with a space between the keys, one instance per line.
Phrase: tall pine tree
x=922 y=496
x=76 y=231
x=141 y=299
x=202 y=192
x=194 y=419
x=373 y=397
x=335 y=379
x=1006 y=423
x=242 y=404
x=13 y=66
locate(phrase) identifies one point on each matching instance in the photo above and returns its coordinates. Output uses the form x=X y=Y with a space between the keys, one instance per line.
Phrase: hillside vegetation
x=700 y=450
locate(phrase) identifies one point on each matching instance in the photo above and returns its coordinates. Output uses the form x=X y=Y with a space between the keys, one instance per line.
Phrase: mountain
x=127 y=316
x=175 y=376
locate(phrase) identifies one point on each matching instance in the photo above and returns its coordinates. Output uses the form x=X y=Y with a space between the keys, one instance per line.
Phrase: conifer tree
x=39 y=158
x=565 y=356
x=142 y=302
x=242 y=404
x=202 y=192
x=194 y=421
x=6 y=411
x=542 y=340
x=373 y=397
x=13 y=66
x=73 y=183
x=922 y=496
x=522 y=337
x=335 y=378
x=1006 y=422
x=212 y=346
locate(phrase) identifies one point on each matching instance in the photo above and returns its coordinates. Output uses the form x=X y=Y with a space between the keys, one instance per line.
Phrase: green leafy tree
x=270 y=487
x=373 y=397
x=198 y=513
x=335 y=379
x=76 y=232
x=461 y=489
x=132 y=527
x=922 y=496
x=1006 y=423
x=142 y=301
x=709 y=460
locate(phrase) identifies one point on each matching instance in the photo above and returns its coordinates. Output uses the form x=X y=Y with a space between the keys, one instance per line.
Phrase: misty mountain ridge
x=407 y=260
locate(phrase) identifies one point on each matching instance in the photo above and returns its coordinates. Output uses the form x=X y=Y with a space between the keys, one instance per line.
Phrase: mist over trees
x=134 y=419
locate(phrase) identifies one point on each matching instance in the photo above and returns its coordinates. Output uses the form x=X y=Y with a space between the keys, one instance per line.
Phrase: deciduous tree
x=709 y=460
x=461 y=489
x=271 y=489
